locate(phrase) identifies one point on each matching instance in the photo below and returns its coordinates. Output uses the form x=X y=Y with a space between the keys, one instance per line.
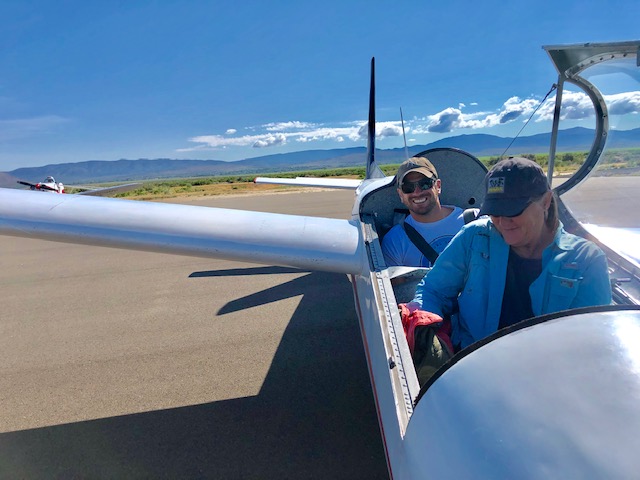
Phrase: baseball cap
x=416 y=164
x=511 y=185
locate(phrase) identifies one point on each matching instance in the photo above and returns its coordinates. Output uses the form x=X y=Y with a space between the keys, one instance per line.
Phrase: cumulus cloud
x=624 y=103
x=270 y=141
x=576 y=106
x=283 y=132
x=328 y=133
x=389 y=129
x=383 y=130
x=446 y=120
x=293 y=125
x=514 y=108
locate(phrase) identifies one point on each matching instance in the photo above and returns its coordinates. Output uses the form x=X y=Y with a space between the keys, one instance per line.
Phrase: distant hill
x=480 y=145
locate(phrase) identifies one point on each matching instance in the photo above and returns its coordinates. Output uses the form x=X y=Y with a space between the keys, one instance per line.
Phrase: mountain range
x=480 y=145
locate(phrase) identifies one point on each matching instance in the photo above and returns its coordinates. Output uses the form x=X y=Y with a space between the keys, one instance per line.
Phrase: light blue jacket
x=473 y=269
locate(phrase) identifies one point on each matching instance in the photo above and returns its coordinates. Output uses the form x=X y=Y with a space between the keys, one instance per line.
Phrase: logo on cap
x=496 y=185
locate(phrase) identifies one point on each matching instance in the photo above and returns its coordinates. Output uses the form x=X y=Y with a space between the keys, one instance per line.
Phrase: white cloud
x=452 y=118
x=623 y=103
x=445 y=121
x=293 y=125
x=270 y=141
x=329 y=133
x=576 y=105
x=389 y=129
x=294 y=131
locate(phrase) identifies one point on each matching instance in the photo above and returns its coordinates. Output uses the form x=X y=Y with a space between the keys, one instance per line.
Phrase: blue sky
x=105 y=80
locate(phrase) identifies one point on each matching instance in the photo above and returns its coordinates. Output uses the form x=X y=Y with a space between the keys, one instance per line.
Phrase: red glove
x=419 y=318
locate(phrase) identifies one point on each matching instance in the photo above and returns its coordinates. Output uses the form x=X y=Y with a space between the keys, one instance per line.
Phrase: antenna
x=406 y=150
x=553 y=87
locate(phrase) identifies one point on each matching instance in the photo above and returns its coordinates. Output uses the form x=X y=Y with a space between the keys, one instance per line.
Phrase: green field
x=565 y=163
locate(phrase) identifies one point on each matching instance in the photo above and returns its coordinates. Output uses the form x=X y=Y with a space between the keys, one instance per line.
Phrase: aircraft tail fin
x=373 y=170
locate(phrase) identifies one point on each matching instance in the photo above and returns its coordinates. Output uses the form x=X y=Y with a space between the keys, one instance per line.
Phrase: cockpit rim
x=516 y=327
x=570 y=61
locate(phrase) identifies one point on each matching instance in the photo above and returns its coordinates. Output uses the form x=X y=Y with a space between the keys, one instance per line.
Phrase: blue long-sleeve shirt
x=473 y=270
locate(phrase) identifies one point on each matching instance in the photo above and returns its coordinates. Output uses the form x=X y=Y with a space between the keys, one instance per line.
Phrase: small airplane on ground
x=554 y=396
x=49 y=184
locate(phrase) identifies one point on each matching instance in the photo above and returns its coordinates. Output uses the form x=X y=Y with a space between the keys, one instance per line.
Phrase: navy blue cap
x=512 y=184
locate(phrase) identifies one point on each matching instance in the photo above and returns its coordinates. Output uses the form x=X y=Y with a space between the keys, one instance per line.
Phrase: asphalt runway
x=607 y=201
x=122 y=364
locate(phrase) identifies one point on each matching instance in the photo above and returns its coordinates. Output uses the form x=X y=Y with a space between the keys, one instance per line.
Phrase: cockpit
x=462 y=176
x=595 y=126
x=514 y=404
x=592 y=163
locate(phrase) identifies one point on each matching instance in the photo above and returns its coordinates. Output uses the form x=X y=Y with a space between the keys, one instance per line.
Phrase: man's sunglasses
x=424 y=184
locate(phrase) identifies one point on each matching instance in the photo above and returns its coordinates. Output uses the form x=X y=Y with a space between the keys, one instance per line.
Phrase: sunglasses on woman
x=424 y=184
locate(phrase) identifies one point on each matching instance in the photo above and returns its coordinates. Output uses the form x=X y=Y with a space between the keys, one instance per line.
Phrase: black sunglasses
x=424 y=184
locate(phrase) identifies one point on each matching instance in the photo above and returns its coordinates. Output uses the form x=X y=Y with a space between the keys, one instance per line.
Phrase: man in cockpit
x=427 y=230
x=516 y=263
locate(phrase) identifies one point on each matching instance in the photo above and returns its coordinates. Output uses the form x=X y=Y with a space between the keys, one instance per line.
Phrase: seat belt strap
x=469 y=215
x=419 y=241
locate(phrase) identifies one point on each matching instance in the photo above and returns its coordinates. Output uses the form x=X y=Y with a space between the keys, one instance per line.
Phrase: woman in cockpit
x=517 y=263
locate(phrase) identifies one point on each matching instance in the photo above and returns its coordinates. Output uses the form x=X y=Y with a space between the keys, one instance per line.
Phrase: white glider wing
x=106 y=191
x=345 y=183
x=625 y=241
x=312 y=243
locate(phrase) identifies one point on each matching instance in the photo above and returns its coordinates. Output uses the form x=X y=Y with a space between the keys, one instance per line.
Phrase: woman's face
x=527 y=229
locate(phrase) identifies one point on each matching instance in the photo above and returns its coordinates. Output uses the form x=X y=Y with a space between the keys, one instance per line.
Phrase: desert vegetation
x=613 y=161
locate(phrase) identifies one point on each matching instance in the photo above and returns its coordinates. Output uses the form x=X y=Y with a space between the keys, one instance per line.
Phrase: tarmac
x=122 y=364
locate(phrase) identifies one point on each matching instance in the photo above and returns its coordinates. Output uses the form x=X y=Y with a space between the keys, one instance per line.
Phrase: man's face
x=420 y=202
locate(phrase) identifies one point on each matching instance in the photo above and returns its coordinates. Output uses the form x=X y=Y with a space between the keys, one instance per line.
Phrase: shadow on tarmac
x=314 y=416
